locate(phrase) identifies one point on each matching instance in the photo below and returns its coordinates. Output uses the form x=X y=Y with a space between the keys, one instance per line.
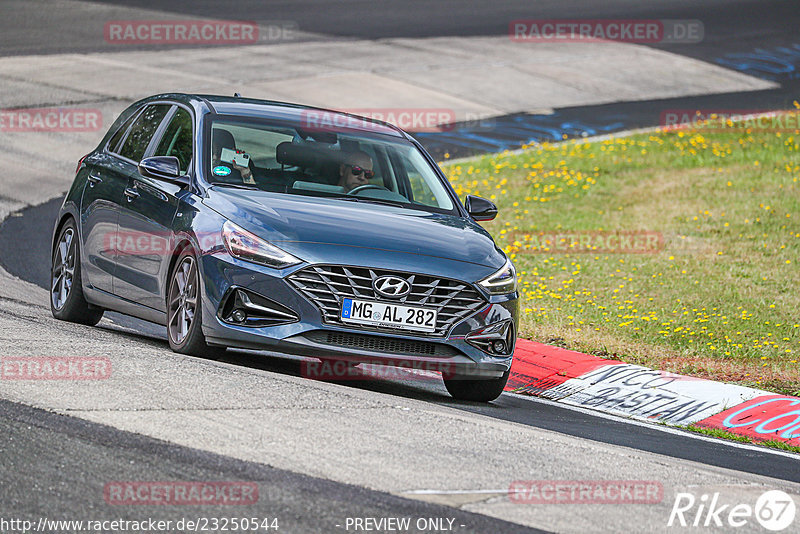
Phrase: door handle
x=150 y=190
x=94 y=180
x=132 y=194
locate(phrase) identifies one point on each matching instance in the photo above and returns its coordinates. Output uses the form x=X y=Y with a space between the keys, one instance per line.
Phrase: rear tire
x=67 y=302
x=184 y=310
x=476 y=390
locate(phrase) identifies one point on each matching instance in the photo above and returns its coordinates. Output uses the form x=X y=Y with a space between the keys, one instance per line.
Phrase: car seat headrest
x=222 y=139
x=305 y=156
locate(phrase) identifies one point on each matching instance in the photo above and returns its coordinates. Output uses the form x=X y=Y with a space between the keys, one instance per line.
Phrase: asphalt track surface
x=33 y=227
x=596 y=120
x=730 y=25
x=732 y=28
x=300 y=503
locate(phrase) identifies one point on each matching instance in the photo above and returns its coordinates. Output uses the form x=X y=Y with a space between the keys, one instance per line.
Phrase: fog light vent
x=246 y=308
x=496 y=339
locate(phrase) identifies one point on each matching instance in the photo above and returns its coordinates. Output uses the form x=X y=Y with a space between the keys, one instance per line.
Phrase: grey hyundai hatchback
x=254 y=224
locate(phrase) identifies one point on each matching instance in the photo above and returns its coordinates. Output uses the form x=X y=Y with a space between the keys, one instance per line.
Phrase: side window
x=422 y=192
x=177 y=139
x=142 y=131
x=112 y=144
x=426 y=189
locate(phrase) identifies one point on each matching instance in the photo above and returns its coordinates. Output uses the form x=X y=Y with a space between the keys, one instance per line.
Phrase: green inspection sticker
x=221 y=170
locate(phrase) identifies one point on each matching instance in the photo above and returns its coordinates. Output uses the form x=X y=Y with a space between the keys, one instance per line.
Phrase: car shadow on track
x=391 y=381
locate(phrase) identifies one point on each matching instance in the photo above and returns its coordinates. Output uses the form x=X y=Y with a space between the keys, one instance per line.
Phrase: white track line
x=456 y=492
x=668 y=429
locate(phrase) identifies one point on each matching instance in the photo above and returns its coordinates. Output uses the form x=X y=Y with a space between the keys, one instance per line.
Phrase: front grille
x=385 y=345
x=327 y=285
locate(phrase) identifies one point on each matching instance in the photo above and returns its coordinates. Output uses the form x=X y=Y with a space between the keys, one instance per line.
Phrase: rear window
x=112 y=144
x=142 y=132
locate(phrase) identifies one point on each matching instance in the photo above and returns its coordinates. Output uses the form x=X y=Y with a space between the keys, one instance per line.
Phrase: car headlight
x=501 y=282
x=249 y=247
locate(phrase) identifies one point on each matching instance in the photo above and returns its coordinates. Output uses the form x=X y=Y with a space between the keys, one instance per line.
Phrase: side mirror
x=163 y=168
x=479 y=208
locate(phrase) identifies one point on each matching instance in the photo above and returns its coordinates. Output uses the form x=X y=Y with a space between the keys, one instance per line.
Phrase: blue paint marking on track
x=775 y=64
x=512 y=132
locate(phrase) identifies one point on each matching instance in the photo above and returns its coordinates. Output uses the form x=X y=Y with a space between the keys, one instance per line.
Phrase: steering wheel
x=364 y=187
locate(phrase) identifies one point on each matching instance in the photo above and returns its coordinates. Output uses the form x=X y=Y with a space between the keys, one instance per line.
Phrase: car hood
x=305 y=226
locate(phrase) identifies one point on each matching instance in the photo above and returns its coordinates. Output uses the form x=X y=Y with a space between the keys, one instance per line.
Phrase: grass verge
x=712 y=289
x=724 y=434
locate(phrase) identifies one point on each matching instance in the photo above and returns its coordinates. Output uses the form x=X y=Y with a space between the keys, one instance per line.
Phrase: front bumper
x=312 y=336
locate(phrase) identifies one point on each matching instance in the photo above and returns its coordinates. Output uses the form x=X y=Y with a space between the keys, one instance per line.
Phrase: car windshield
x=344 y=164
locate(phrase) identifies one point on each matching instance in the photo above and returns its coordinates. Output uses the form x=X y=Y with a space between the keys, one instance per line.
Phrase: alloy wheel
x=63 y=271
x=182 y=300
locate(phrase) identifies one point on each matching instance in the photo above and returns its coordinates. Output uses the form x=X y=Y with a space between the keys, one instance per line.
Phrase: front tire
x=476 y=390
x=184 y=310
x=67 y=302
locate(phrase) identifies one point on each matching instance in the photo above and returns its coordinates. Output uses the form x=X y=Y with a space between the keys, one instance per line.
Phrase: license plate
x=388 y=315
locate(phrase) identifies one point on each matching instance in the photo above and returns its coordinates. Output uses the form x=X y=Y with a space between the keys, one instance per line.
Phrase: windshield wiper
x=385 y=201
x=237 y=186
x=371 y=200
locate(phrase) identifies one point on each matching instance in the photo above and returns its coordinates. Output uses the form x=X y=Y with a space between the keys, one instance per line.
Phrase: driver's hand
x=246 y=173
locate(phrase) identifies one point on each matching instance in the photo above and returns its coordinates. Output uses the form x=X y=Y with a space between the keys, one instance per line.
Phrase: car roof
x=252 y=107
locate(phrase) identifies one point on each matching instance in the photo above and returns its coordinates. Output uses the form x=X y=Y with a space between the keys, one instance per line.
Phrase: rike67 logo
x=774 y=510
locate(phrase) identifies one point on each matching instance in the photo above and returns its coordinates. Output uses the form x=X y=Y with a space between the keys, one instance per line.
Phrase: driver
x=224 y=139
x=355 y=171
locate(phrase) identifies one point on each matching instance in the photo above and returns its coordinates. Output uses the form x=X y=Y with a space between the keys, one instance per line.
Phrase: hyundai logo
x=391 y=286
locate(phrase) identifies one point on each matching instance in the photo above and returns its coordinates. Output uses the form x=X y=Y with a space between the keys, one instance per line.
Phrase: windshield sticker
x=221 y=170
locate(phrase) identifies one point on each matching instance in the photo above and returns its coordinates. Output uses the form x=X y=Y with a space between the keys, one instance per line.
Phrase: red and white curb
x=638 y=392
